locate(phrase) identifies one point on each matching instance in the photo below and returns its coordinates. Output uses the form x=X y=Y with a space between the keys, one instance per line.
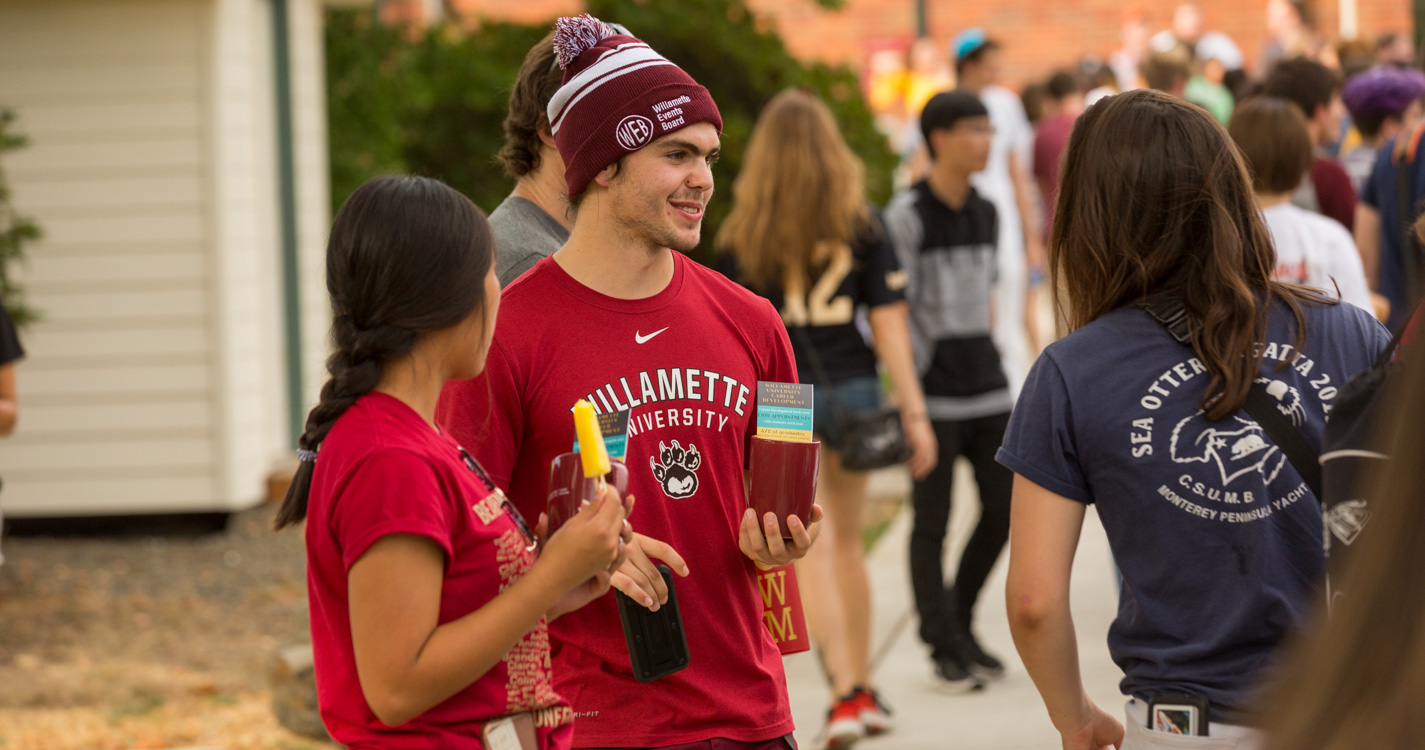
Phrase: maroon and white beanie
x=618 y=96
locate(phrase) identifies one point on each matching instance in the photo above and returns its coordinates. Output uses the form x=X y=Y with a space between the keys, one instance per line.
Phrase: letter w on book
x=782 y=608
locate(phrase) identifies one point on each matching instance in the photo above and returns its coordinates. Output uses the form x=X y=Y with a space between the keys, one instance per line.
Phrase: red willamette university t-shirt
x=685 y=363
x=382 y=471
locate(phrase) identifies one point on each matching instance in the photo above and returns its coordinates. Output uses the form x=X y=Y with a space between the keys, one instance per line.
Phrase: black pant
x=945 y=610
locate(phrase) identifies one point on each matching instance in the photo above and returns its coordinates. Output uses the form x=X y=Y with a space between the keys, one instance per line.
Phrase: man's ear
x=1321 y=113
x=606 y=176
x=934 y=143
x=545 y=136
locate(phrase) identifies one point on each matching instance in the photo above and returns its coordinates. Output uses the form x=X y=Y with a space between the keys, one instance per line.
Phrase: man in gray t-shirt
x=524 y=233
x=531 y=223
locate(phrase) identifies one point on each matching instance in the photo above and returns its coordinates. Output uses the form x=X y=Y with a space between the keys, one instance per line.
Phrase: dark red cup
x=568 y=487
x=782 y=479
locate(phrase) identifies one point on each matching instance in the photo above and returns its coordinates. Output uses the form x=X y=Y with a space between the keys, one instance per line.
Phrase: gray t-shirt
x=524 y=234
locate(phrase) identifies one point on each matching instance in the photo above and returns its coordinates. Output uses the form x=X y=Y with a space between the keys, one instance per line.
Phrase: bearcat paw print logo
x=676 y=469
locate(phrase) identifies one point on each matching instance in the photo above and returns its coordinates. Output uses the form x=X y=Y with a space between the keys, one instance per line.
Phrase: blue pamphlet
x=784 y=411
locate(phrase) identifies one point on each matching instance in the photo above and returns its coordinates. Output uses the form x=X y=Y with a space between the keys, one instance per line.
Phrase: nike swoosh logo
x=644 y=339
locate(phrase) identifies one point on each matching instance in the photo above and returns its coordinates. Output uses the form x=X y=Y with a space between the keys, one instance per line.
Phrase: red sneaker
x=875 y=715
x=843 y=724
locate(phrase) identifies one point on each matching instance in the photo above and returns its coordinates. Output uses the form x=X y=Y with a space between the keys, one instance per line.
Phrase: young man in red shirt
x=619 y=316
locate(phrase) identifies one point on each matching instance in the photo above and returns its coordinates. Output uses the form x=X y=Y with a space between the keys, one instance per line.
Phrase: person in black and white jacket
x=945 y=234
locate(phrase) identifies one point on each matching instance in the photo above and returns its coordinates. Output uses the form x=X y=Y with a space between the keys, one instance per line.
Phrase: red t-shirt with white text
x=685 y=363
x=383 y=470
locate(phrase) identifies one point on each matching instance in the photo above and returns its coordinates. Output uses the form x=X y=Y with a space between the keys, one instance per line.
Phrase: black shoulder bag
x=1172 y=315
x=869 y=440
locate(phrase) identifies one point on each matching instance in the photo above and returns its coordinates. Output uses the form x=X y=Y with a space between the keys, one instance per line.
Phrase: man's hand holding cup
x=764 y=541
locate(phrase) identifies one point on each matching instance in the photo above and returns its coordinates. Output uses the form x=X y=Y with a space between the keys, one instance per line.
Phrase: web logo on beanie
x=634 y=132
x=618 y=96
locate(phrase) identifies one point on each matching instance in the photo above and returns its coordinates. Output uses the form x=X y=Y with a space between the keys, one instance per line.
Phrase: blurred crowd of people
x=1353 y=96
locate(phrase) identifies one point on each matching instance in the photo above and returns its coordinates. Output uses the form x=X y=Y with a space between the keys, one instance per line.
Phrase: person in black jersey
x=945 y=235
x=802 y=235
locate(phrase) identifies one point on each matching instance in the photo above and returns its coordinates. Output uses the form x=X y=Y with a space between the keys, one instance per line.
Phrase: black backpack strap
x=1170 y=313
x=1287 y=437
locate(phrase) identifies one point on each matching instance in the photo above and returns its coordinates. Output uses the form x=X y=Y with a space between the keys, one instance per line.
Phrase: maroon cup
x=568 y=487
x=783 y=479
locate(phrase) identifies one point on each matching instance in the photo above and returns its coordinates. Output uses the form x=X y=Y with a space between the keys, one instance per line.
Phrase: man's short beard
x=673 y=242
x=658 y=238
x=654 y=234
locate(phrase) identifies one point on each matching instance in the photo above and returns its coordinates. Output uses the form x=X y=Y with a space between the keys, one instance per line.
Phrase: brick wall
x=1039 y=35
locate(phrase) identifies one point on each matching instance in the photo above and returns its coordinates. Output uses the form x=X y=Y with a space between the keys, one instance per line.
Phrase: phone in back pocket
x=1178 y=713
x=657 y=646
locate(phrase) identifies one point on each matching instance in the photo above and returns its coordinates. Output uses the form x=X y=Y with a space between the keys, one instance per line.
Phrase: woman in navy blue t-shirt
x=1217 y=535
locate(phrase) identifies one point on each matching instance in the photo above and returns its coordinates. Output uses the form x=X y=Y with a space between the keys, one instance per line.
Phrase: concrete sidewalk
x=1008 y=713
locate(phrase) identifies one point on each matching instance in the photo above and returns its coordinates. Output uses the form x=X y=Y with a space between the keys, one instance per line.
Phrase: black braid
x=355 y=369
x=406 y=257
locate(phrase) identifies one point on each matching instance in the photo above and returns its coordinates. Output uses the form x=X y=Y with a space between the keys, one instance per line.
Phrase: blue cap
x=967 y=41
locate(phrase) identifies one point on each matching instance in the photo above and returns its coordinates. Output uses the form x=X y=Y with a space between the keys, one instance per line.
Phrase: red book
x=782 y=608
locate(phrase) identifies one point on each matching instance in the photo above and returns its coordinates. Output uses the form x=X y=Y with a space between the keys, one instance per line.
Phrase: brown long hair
x=801 y=193
x=538 y=79
x=1155 y=198
x=1356 y=679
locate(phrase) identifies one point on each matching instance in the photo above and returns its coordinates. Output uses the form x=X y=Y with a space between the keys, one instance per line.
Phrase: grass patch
x=143 y=702
x=879 y=516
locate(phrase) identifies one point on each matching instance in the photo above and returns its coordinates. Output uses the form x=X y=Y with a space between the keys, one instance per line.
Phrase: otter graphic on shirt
x=1244 y=448
x=1288 y=400
x=1233 y=452
x=1222 y=460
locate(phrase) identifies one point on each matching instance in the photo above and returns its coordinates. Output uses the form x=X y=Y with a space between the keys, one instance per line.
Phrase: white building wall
x=309 y=123
x=156 y=380
x=245 y=246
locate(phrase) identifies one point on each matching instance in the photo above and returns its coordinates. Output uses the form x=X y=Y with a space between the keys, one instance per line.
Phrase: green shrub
x=433 y=102
x=368 y=70
x=15 y=231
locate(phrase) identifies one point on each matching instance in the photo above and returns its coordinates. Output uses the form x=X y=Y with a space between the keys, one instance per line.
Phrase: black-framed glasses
x=505 y=503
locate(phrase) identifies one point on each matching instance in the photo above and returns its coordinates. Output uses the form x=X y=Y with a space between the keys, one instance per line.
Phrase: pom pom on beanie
x=572 y=36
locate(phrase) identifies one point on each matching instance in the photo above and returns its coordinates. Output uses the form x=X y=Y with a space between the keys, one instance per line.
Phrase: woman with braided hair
x=428 y=603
